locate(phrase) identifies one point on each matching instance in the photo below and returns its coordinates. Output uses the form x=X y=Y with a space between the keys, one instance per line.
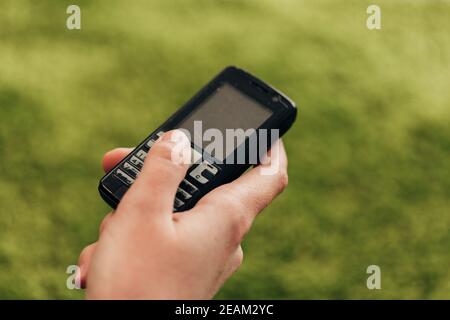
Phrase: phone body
x=234 y=99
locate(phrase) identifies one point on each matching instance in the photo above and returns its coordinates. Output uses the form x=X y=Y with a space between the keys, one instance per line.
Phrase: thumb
x=164 y=169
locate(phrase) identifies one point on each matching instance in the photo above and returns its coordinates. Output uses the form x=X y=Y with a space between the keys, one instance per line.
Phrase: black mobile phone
x=234 y=101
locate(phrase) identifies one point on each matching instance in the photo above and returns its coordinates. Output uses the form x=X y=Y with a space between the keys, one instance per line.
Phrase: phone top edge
x=284 y=96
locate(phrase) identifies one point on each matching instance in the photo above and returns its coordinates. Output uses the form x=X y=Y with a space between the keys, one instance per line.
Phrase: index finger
x=234 y=206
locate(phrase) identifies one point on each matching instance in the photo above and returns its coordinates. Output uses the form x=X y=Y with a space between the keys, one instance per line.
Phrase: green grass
x=369 y=155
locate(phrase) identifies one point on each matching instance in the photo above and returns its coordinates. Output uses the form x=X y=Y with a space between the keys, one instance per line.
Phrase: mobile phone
x=233 y=100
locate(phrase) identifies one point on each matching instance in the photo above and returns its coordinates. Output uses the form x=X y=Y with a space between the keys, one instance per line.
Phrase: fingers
x=113 y=157
x=84 y=262
x=232 y=265
x=233 y=207
x=257 y=188
x=106 y=220
x=164 y=169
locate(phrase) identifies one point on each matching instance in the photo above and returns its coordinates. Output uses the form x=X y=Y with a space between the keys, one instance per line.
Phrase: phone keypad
x=130 y=170
x=201 y=172
x=178 y=204
x=124 y=177
x=183 y=195
x=136 y=162
x=141 y=154
x=204 y=172
x=150 y=143
x=188 y=187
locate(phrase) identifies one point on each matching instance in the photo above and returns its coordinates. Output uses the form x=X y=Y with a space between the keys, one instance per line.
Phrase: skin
x=144 y=251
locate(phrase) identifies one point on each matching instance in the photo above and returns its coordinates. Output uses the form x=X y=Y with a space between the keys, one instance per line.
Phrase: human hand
x=145 y=251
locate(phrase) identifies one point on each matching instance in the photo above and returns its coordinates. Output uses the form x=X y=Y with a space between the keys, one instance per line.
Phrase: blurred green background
x=369 y=154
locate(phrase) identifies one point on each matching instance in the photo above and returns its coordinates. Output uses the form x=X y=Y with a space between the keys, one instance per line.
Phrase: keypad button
x=124 y=177
x=141 y=154
x=189 y=187
x=150 y=143
x=136 y=162
x=182 y=194
x=203 y=169
x=130 y=170
x=208 y=175
x=199 y=178
x=178 y=203
x=153 y=139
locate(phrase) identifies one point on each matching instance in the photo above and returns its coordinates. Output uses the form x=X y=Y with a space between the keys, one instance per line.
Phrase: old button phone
x=233 y=100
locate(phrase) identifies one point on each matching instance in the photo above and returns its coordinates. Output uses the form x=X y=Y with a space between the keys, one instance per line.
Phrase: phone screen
x=226 y=108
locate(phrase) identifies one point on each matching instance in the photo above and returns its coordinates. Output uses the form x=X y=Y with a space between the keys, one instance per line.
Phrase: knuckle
x=84 y=255
x=238 y=213
x=165 y=153
x=227 y=201
x=162 y=149
x=282 y=180
x=238 y=217
x=236 y=259
x=240 y=224
x=239 y=258
x=104 y=222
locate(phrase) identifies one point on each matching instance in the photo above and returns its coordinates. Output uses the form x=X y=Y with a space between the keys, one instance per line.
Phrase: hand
x=144 y=251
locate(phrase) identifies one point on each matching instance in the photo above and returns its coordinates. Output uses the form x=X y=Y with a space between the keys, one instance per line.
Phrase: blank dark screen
x=227 y=108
